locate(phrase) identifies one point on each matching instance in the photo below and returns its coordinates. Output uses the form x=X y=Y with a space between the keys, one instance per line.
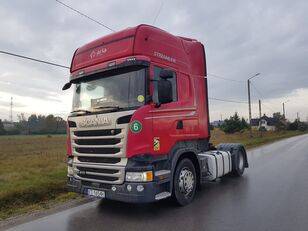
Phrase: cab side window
x=156 y=77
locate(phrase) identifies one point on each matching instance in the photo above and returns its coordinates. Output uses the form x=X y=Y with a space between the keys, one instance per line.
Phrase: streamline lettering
x=165 y=57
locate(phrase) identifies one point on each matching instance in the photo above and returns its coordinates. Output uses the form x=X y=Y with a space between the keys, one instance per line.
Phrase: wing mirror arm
x=66 y=86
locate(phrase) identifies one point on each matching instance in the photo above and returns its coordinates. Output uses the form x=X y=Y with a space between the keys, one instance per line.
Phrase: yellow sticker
x=140 y=98
x=156 y=143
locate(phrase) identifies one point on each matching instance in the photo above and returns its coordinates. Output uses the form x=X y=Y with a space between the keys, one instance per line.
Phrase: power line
x=224 y=78
x=159 y=10
x=257 y=90
x=84 y=15
x=268 y=107
x=226 y=100
x=34 y=59
x=262 y=95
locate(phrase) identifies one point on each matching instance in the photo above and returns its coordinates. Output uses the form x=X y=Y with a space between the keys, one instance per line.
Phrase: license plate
x=96 y=193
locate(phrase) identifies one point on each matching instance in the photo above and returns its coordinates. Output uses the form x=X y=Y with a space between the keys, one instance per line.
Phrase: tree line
x=34 y=124
x=237 y=124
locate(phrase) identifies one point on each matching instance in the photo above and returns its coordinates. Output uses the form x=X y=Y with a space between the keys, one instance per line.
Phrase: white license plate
x=96 y=193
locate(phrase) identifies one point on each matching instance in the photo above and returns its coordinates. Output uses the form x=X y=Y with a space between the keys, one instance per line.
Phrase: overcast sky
x=241 y=38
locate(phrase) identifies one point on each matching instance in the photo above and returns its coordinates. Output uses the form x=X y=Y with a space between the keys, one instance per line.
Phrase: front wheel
x=184 y=182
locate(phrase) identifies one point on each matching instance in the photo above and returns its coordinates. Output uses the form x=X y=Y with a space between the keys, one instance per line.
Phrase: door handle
x=179 y=125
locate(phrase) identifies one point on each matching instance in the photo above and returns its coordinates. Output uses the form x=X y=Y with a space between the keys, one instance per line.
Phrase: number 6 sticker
x=136 y=126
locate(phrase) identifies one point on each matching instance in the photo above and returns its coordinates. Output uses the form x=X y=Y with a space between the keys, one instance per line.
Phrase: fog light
x=140 y=188
x=129 y=188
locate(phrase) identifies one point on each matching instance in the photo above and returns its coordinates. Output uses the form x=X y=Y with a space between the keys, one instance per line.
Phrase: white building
x=268 y=123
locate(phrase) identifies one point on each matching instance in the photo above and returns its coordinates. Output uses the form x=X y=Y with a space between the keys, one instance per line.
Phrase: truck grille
x=110 y=171
x=97 y=150
x=99 y=173
x=105 y=132
x=99 y=160
x=99 y=143
x=99 y=155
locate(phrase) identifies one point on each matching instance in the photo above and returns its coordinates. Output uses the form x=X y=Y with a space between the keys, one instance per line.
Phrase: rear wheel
x=240 y=165
x=184 y=182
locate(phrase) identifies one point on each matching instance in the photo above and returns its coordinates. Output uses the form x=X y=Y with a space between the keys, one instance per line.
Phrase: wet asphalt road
x=272 y=195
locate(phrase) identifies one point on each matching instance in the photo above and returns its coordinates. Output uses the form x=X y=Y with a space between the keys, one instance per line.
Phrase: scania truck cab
x=139 y=126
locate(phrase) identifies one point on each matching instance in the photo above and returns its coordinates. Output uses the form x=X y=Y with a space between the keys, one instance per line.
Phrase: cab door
x=171 y=121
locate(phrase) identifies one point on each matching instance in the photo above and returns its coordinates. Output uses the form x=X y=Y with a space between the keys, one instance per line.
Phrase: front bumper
x=152 y=191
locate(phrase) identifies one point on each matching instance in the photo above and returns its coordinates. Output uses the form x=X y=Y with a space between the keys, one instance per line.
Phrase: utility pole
x=11 y=110
x=283 y=111
x=249 y=102
x=297 y=115
x=260 y=115
x=249 y=106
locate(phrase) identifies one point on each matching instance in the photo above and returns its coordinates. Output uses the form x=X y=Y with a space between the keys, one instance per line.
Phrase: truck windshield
x=118 y=90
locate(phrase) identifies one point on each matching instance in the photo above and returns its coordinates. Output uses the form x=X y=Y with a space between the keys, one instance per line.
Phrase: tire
x=240 y=164
x=184 y=182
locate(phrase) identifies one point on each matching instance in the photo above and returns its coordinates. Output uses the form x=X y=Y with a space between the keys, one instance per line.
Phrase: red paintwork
x=184 y=55
x=68 y=143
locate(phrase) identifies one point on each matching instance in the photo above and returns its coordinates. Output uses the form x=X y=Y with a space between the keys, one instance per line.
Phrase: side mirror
x=164 y=90
x=66 y=86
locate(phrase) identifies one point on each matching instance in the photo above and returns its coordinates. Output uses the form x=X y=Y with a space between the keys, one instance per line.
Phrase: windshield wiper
x=82 y=110
x=116 y=107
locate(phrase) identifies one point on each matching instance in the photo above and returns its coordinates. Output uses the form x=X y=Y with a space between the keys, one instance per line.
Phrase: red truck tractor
x=139 y=128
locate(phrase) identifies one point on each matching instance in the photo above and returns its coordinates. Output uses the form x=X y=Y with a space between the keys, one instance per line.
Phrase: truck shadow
x=165 y=214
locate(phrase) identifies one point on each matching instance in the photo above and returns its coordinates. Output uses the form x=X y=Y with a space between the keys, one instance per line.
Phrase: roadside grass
x=32 y=173
x=33 y=168
x=218 y=136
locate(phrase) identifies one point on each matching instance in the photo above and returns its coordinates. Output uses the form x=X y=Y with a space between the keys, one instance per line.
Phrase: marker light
x=139 y=176
x=70 y=170
x=131 y=59
x=111 y=64
x=68 y=142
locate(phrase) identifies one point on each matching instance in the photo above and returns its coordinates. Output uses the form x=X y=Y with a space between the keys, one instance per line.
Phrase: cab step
x=162 y=195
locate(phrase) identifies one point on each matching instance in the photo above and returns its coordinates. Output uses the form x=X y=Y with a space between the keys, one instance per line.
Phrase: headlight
x=139 y=176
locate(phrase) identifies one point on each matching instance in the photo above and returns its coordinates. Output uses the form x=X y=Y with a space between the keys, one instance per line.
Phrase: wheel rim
x=240 y=161
x=186 y=181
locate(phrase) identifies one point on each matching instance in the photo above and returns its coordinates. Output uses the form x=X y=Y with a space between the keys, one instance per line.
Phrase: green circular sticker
x=136 y=126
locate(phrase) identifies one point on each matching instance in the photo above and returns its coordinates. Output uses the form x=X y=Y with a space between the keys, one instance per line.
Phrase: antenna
x=11 y=111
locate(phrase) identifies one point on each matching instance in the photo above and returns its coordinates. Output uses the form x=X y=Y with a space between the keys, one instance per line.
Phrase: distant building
x=268 y=123
x=8 y=126
x=217 y=123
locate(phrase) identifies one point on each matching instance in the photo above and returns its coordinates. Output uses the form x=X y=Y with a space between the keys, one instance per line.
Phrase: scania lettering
x=139 y=127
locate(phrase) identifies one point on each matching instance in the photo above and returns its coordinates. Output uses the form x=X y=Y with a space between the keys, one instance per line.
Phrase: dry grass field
x=33 y=168
x=218 y=136
x=32 y=172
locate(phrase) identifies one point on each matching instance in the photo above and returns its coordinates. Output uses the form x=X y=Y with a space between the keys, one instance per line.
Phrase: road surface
x=272 y=195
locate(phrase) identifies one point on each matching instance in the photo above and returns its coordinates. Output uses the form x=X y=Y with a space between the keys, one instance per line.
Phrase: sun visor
x=101 y=51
